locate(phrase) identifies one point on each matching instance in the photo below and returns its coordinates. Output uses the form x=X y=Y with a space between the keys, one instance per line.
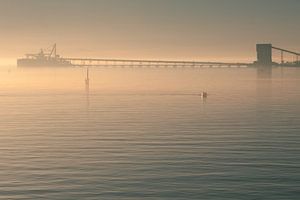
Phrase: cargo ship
x=44 y=59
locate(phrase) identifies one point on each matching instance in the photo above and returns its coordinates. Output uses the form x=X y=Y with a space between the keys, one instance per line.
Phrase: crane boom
x=53 y=52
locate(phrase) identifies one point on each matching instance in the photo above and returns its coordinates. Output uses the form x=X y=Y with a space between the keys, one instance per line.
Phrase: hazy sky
x=170 y=29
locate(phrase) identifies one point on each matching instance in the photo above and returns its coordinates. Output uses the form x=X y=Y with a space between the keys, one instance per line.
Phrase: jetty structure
x=52 y=59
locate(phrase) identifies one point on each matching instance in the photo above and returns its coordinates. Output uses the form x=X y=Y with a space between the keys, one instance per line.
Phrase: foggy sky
x=163 y=29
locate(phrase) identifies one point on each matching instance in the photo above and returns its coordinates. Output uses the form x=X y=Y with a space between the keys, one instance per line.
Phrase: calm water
x=146 y=134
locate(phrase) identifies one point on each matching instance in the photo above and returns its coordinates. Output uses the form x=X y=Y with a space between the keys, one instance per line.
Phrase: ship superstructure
x=44 y=59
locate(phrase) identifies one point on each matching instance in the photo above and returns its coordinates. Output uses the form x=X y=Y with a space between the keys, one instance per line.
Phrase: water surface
x=147 y=134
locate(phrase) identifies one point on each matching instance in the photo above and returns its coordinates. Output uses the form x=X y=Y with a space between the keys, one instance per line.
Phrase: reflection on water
x=264 y=98
x=148 y=134
x=264 y=72
x=87 y=87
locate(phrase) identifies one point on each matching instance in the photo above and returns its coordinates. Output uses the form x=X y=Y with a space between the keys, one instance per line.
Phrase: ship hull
x=42 y=63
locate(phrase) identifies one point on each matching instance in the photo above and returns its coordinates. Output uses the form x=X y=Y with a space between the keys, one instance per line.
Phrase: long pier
x=91 y=62
x=264 y=59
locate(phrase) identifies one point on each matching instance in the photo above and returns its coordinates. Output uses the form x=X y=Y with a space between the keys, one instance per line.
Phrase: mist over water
x=147 y=134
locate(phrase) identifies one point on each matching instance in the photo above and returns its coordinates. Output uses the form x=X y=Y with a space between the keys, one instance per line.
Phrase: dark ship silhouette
x=43 y=59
